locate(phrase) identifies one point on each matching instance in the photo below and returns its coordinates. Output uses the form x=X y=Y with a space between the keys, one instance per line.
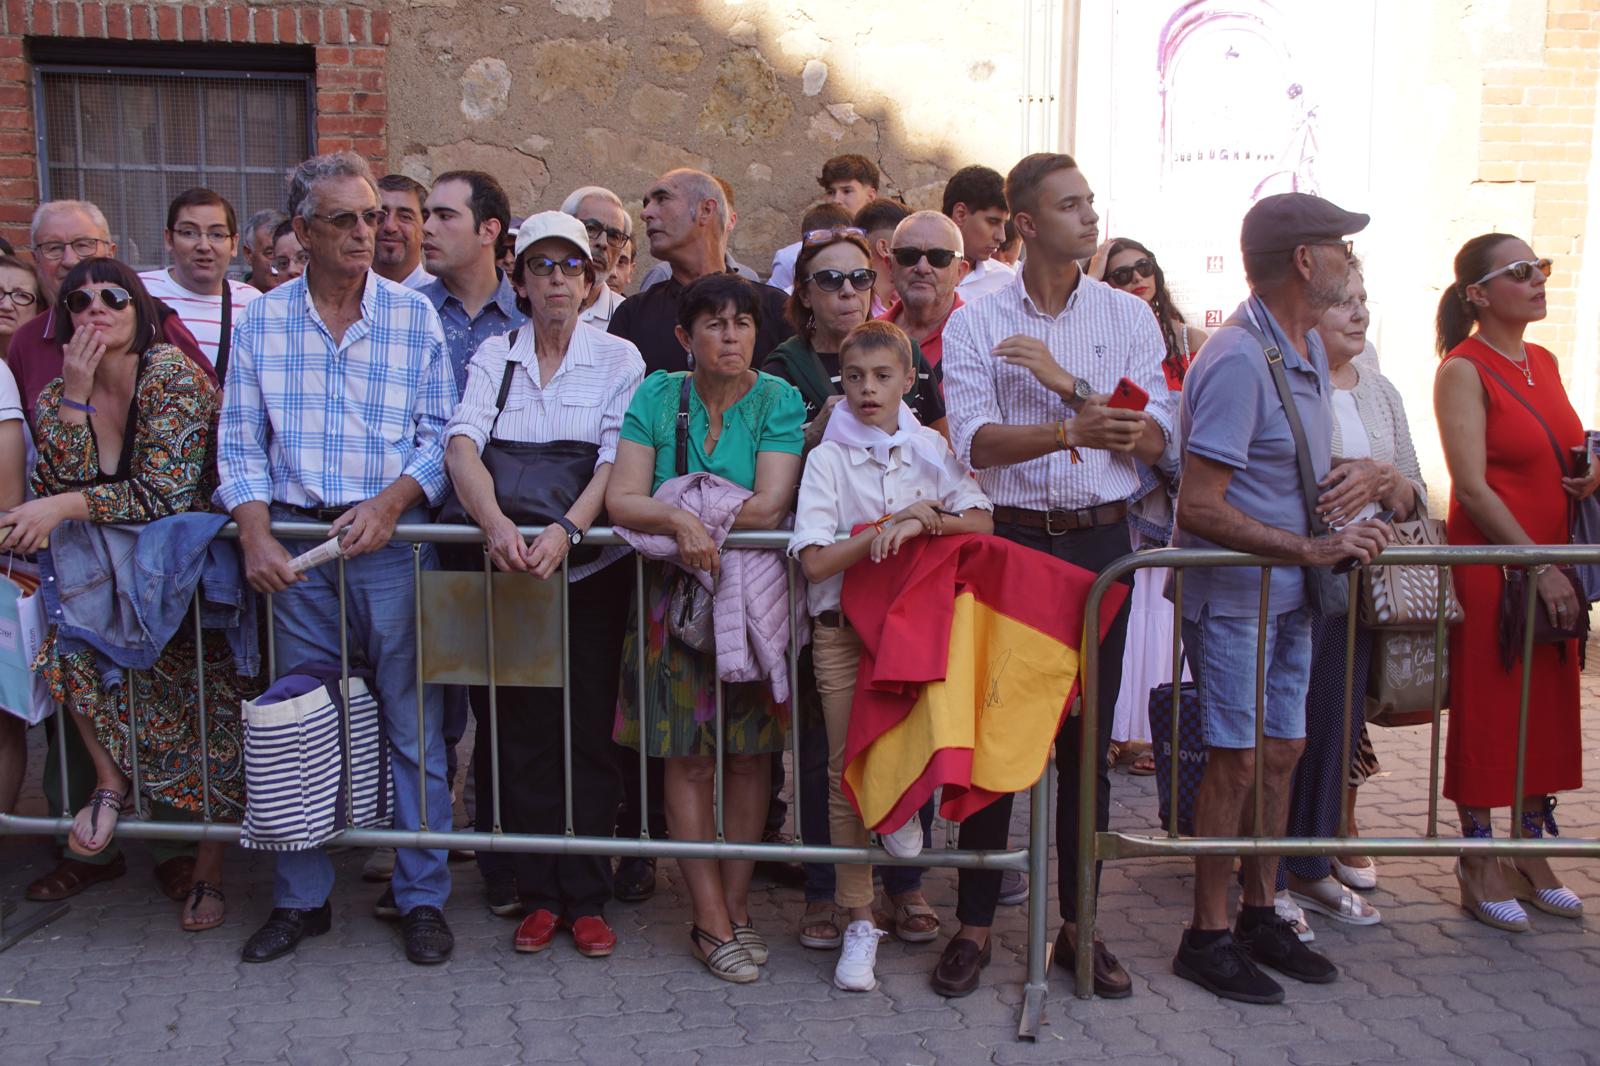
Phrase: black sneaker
x=500 y=893
x=1223 y=969
x=1274 y=943
x=386 y=908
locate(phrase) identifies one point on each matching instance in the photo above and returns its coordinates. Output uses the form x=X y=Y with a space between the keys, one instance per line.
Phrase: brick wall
x=351 y=46
x=1536 y=128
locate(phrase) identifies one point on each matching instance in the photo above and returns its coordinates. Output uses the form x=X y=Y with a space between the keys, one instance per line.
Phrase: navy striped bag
x=303 y=784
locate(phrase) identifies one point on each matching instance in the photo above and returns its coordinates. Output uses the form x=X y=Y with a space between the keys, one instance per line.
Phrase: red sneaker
x=593 y=936
x=536 y=931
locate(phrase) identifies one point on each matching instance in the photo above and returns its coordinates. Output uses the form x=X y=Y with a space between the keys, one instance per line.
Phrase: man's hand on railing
x=1361 y=540
x=370 y=524
x=266 y=563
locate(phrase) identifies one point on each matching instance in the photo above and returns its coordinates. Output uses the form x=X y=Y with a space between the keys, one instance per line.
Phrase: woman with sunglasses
x=125 y=435
x=556 y=380
x=21 y=297
x=833 y=295
x=1499 y=401
x=1126 y=264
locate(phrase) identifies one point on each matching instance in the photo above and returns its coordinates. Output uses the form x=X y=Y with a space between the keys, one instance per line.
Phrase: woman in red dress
x=1507 y=488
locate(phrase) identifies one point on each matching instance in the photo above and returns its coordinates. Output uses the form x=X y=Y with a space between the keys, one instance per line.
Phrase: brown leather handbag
x=1514 y=615
x=1406 y=597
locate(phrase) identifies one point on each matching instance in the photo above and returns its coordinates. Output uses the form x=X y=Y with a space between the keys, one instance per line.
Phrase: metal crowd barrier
x=1031 y=858
x=1093 y=846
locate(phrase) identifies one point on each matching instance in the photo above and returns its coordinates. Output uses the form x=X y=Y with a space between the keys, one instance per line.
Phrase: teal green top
x=769 y=418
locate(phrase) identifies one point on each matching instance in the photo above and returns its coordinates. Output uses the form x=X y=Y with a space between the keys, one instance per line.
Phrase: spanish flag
x=969 y=664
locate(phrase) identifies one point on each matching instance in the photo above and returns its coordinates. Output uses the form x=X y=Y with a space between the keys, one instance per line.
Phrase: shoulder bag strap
x=1555 y=445
x=1302 y=454
x=682 y=453
x=225 y=337
x=505 y=383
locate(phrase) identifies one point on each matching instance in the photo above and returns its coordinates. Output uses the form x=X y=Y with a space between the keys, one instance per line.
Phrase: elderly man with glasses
x=340 y=387
x=926 y=266
x=609 y=229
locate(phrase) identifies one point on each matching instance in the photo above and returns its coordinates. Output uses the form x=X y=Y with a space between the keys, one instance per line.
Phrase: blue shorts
x=1222 y=659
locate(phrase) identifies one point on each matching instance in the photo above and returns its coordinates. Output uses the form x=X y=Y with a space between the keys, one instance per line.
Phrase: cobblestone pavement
x=118 y=982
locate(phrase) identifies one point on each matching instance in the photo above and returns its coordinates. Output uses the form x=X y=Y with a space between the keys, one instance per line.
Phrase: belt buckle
x=1050 y=521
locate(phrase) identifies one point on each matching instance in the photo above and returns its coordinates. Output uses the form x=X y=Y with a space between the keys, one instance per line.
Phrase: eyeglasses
x=1519 y=271
x=193 y=235
x=18 y=297
x=346 y=220
x=541 y=266
x=82 y=247
x=113 y=296
x=1348 y=246
x=1122 y=277
x=860 y=279
x=938 y=258
x=281 y=264
x=832 y=233
x=595 y=227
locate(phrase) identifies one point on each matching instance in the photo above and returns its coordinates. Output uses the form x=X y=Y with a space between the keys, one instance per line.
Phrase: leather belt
x=1060 y=520
x=319 y=514
x=829 y=619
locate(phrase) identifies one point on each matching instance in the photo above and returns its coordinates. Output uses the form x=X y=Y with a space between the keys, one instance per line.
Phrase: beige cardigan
x=1383 y=413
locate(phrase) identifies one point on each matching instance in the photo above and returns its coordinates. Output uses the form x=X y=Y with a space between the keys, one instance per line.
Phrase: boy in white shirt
x=878 y=467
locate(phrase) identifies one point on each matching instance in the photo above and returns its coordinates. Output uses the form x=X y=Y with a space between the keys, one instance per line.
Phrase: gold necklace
x=1522 y=364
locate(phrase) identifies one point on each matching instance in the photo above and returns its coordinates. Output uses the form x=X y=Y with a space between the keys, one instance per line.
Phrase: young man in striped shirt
x=1028 y=370
x=202 y=238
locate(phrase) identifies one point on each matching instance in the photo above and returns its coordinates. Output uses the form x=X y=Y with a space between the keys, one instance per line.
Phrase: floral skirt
x=166 y=702
x=680 y=691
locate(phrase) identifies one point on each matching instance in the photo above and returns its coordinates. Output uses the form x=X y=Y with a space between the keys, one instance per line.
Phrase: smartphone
x=1128 y=397
x=1349 y=563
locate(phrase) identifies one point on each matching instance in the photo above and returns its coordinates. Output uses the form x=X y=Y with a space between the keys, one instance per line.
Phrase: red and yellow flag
x=970 y=661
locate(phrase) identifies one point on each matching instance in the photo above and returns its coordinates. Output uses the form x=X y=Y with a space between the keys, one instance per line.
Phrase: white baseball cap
x=548 y=224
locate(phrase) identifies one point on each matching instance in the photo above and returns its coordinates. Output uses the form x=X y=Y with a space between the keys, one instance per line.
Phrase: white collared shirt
x=584 y=400
x=598 y=314
x=783 y=267
x=990 y=275
x=418 y=278
x=844 y=487
x=1102 y=335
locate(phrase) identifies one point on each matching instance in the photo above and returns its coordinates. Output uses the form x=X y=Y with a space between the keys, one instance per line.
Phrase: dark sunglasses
x=827 y=236
x=1520 y=271
x=938 y=258
x=1122 y=277
x=114 y=297
x=860 y=279
x=543 y=266
x=594 y=227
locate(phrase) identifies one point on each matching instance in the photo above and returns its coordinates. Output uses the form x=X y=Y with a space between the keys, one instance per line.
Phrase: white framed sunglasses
x=1521 y=270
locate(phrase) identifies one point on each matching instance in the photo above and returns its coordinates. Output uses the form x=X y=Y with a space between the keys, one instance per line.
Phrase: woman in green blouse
x=745 y=427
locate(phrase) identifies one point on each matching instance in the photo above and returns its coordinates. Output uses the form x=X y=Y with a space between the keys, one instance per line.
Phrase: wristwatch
x=1081 y=391
x=574 y=534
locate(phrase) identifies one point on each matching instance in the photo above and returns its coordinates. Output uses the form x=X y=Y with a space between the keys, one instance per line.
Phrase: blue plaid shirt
x=312 y=423
x=463 y=335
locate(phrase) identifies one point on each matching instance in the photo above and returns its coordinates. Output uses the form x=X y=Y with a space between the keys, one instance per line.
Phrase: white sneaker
x=854 y=973
x=905 y=842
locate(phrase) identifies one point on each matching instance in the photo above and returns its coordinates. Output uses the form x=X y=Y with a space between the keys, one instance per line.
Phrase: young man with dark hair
x=398 y=255
x=975 y=200
x=848 y=180
x=202 y=236
x=878 y=220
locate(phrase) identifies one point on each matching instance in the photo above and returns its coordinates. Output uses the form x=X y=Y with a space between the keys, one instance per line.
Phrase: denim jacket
x=123 y=591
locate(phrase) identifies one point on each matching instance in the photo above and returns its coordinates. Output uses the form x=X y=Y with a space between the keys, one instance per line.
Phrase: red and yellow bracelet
x=1061 y=442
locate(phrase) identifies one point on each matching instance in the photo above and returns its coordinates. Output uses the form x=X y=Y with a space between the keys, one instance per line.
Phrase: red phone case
x=1128 y=397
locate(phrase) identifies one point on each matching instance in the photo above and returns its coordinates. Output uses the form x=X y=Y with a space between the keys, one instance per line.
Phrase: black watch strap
x=574 y=534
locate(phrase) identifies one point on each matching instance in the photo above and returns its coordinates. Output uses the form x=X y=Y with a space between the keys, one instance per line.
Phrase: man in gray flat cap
x=1256 y=412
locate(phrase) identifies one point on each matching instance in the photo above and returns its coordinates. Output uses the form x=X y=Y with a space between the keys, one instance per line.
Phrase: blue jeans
x=381 y=614
x=1222 y=659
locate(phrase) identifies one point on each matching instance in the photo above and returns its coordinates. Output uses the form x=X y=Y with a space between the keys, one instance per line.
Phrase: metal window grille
x=130 y=139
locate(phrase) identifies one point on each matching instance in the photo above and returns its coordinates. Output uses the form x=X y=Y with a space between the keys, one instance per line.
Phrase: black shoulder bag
x=1327 y=592
x=534 y=484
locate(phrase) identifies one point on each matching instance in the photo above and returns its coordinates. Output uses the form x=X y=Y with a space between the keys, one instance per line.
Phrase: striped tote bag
x=306 y=779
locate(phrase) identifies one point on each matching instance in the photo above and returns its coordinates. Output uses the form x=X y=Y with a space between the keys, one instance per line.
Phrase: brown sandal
x=198 y=895
x=71 y=877
x=176 y=877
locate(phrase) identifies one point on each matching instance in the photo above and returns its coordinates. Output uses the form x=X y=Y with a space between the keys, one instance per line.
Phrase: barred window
x=130 y=139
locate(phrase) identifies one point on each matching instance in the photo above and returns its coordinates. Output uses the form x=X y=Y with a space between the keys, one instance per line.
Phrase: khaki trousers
x=835 y=655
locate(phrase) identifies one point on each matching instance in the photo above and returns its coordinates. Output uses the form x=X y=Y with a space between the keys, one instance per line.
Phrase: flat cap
x=1284 y=222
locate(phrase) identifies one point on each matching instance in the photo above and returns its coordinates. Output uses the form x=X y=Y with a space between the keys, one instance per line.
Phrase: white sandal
x=1360 y=878
x=1291 y=913
x=1348 y=907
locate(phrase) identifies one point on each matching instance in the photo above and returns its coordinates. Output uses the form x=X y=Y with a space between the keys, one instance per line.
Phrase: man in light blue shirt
x=1241 y=489
x=339 y=389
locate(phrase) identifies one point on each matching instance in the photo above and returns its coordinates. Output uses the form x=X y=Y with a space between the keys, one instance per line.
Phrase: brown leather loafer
x=1111 y=981
x=957 y=972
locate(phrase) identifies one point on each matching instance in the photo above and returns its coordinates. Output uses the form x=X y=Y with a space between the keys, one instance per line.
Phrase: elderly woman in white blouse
x=1375 y=468
x=554 y=381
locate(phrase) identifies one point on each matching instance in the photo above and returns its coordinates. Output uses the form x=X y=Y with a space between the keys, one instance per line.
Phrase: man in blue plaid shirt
x=337 y=392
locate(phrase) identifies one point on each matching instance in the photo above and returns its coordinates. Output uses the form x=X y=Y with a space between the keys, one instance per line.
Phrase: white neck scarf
x=846 y=429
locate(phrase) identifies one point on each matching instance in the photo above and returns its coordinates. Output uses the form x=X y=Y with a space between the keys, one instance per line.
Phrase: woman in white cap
x=544 y=405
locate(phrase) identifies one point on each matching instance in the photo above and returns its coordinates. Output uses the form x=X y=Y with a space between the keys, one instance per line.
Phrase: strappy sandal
x=100 y=799
x=915 y=923
x=198 y=893
x=753 y=942
x=1143 y=764
x=1330 y=898
x=1113 y=755
x=726 y=959
x=824 y=917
